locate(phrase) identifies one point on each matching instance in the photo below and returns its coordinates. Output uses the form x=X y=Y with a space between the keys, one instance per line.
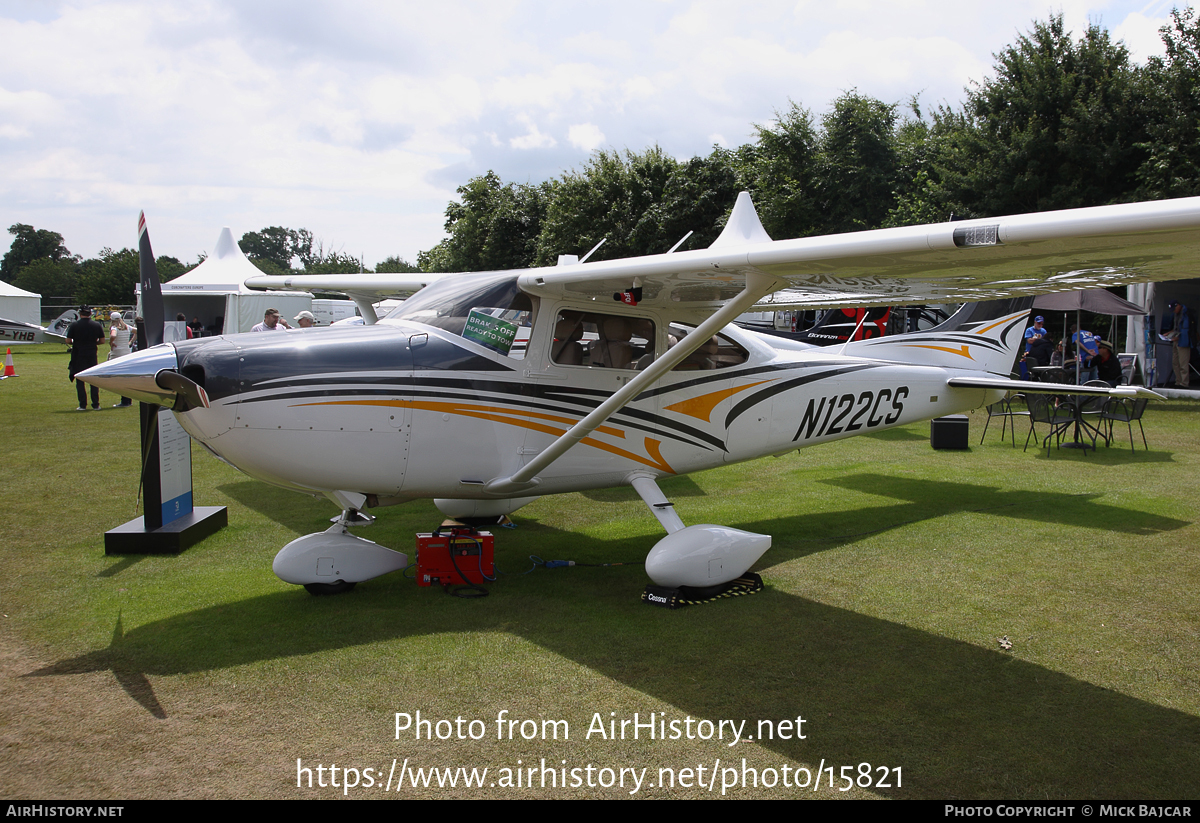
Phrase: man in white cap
x=305 y=320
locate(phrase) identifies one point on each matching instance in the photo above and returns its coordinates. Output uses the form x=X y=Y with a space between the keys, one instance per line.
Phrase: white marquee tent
x=20 y=305
x=215 y=291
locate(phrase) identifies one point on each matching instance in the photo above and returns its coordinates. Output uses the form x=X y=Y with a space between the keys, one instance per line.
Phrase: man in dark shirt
x=1108 y=365
x=84 y=336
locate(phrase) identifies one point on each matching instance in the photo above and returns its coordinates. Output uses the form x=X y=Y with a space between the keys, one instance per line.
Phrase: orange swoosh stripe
x=469 y=410
x=963 y=352
x=999 y=322
x=701 y=406
x=655 y=461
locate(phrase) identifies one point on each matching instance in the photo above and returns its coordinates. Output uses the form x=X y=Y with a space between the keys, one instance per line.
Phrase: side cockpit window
x=607 y=341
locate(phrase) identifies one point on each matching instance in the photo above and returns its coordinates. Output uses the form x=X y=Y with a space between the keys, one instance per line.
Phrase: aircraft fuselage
x=404 y=410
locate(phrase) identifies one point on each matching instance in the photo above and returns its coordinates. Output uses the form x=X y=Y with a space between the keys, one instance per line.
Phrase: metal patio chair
x=1041 y=410
x=1126 y=410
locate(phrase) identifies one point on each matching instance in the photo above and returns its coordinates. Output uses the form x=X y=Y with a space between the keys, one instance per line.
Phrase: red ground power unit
x=472 y=555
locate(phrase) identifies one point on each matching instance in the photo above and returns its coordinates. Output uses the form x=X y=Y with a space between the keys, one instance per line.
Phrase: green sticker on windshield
x=492 y=332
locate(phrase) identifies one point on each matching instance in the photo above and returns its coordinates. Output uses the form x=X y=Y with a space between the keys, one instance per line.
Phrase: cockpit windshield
x=487 y=309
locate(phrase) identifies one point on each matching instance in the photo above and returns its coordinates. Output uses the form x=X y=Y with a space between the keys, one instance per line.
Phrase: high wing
x=956 y=262
x=364 y=289
x=953 y=262
x=1002 y=384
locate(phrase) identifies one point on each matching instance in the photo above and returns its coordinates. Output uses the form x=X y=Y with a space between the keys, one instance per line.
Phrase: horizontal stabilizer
x=1050 y=388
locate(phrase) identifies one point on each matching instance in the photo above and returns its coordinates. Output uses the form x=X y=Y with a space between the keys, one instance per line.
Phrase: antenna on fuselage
x=854 y=333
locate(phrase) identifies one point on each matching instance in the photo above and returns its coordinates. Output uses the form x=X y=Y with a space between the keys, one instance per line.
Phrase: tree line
x=38 y=261
x=1060 y=123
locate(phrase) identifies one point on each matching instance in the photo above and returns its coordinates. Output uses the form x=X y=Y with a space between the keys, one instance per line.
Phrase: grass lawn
x=895 y=571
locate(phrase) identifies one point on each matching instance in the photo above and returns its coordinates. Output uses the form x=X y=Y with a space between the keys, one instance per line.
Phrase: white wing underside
x=964 y=261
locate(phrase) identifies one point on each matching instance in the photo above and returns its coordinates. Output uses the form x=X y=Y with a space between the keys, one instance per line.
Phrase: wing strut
x=757 y=286
x=366 y=308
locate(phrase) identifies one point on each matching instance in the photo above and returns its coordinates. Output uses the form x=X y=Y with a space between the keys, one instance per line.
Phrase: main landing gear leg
x=697 y=556
x=333 y=561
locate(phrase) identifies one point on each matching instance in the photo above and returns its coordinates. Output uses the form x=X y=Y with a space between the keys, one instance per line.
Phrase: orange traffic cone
x=9 y=371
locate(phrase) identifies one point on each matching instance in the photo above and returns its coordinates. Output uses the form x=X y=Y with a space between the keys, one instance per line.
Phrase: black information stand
x=170 y=523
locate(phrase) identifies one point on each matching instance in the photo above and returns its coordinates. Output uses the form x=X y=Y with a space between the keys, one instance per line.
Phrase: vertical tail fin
x=980 y=336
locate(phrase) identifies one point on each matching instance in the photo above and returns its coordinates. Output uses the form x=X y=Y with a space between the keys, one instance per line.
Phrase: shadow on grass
x=674 y=487
x=959 y=720
x=896 y=435
x=934 y=498
x=121 y=565
x=292 y=510
x=1119 y=454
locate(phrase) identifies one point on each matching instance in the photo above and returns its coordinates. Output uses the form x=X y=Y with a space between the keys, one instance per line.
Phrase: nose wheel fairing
x=334 y=556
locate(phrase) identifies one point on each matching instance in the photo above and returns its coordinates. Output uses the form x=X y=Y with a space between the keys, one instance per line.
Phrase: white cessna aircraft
x=485 y=391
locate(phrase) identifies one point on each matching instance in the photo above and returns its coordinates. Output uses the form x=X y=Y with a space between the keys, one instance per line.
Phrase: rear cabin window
x=718 y=352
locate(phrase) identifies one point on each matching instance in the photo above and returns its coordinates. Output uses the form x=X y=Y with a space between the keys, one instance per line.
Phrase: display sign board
x=174 y=467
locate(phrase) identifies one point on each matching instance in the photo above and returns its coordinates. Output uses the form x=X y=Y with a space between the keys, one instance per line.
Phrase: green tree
x=614 y=197
x=1059 y=126
x=395 y=265
x=780 y=171
x=170 y=267
x=857 y=164
x=1172 y=94
x=333 y=262
x=919 y=196
x=31 y=244
x=698 y=197
x=47 y=277
x=495 y=226
x=269 y=266
x=109 y=278
x=278 y=246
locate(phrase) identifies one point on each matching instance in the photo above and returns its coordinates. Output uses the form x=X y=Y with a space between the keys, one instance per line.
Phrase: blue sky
x=357 y=120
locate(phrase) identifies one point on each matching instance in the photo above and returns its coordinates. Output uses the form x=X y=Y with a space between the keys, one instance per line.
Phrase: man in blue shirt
x=1035 y=331
x=1085 y=349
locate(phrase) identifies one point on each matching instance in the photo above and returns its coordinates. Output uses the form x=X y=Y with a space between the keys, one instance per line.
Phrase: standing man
x=1035 y=331
x=271 y=322
x=84 y=336
x=1177 y=327
x=305 y=320
x=1032 y=335
x=1086 y=348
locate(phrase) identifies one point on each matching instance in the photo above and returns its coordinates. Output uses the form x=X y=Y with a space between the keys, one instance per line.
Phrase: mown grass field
x=895 y=570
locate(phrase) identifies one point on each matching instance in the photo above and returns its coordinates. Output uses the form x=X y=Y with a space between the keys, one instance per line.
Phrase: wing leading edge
x=963 y=261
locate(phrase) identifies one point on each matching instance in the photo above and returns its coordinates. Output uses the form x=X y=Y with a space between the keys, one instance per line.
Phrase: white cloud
x=585 y=136
x=534 y=138
x=358 y=120
x=1141 y=36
